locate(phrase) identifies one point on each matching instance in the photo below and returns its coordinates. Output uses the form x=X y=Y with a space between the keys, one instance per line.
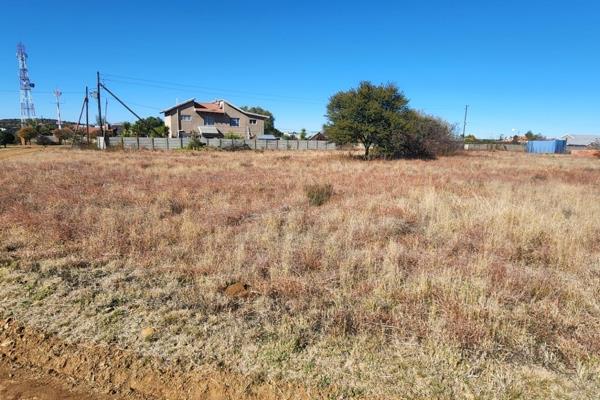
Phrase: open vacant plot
x=470 y=276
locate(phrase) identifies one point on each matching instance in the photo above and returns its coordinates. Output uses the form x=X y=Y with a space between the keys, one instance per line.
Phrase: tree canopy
x=62 y=134
x=534 y=136
x=378 y=116
x=269 y=122
x=26 y=133
x=366 y=115
x=151 y=126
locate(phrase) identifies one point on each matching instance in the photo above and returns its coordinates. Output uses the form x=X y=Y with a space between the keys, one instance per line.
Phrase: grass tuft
x=318 y=194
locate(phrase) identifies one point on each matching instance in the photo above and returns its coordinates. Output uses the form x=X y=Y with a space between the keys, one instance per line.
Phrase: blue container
x=547 y=146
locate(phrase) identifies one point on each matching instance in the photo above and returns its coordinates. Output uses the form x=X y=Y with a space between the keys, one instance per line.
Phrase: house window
x=234 y=122
x=186 y=117
x=209 y=120
x=252 y=122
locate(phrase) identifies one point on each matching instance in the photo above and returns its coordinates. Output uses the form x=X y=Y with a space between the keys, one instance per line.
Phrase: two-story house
x=211 y=120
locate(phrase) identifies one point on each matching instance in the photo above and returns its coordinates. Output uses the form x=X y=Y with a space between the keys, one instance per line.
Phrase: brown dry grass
x=475 y=275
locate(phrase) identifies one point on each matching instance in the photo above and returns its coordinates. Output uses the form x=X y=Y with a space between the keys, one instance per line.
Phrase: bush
x=231 y=135
x=26 y=133
x=44 y=140
x=6 y=138
x=318 y=194
x=195 y=143
x=63 y=134
x=423 y=136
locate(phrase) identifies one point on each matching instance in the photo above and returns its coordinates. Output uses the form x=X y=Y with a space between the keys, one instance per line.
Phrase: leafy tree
x=6 y=137
x=63 y=134
x=532 y=136
x=269 y=122
x=303 y=134
x=26 y=133
x=378 y=116
x=471 y=139
x=126 y=131
x=151 y=126
x=366 y=115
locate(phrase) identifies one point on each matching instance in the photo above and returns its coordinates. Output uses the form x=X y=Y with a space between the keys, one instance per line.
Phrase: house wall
x=222 y=122
x=171 y=119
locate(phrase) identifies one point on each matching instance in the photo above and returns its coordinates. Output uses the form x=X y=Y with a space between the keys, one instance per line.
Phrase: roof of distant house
x=209 y=107
x=212 y=107
x=267 y=137
x=581 y=140
x=166 y=110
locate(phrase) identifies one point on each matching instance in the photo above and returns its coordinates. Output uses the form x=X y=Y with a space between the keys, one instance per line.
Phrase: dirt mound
x=109 y=370
x=237 y=290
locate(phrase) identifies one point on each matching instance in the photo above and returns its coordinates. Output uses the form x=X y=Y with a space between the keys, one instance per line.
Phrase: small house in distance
x=582 y=141
x=212 y=120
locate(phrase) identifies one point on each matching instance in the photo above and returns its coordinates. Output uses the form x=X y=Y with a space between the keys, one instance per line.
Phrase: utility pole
x=100 y=106
x=465 y=122
x=87 y=114
x=106 y=111
x=57 y=94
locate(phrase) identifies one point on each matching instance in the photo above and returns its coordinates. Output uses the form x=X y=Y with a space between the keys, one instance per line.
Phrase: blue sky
x=518 y=64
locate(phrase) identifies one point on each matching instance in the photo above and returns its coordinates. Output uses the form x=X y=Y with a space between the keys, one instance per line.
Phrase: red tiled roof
x=210 y=106
x=208 y=110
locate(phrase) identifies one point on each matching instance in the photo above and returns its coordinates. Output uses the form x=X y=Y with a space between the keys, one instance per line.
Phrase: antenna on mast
x=27 y=107
x=57 y=94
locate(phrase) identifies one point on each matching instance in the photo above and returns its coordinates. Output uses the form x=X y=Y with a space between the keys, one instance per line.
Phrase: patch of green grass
x=318 y=194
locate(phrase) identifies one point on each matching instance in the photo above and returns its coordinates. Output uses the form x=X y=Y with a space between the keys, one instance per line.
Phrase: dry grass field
x=474 y=276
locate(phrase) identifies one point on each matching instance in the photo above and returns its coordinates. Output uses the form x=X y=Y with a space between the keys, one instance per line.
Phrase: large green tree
x=369 y=115
x=269 y=122
x=151 y=126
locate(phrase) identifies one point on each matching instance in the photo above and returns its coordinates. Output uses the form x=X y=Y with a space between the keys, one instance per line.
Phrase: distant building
x=212 y=120
x=317 y=136
x=581 y=141
x=267 y=137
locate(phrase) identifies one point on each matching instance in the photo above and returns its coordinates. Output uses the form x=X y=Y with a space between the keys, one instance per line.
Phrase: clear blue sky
x=518 y=64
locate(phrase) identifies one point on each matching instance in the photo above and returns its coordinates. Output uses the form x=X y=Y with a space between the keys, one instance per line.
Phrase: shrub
x=63 y=134
x=195 y=143
x=422 y=136
x=44 y=140
x=6 y=138
x=319 y=194
x=25 y=134
x=231 y=135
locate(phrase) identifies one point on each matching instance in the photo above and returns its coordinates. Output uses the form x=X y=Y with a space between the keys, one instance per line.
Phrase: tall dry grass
x=470 y=275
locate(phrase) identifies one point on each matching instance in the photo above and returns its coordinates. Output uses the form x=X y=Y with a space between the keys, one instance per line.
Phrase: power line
x=179 y=86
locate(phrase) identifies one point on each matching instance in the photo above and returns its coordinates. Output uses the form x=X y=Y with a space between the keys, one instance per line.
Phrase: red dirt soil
x=18 y=383
x=45 y=368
